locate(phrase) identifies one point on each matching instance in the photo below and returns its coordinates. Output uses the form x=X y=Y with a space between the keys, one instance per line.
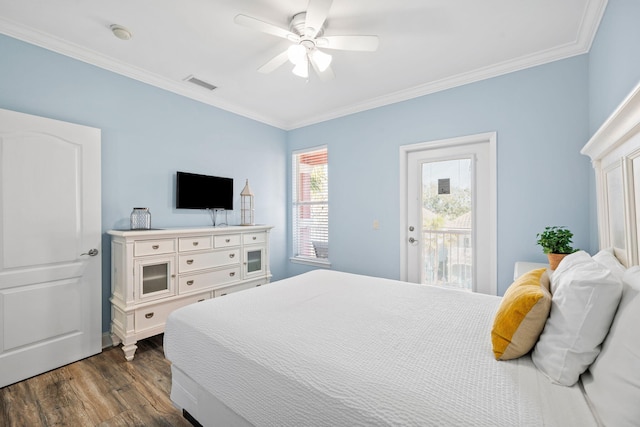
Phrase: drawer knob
x=189 y=261
x=200 y=300
x=155 y=247
x=195 y=243
x=190 y=282
x=232 y=255
x=223 y=294
x=233 y=273
x=149 y=315
x=227 y=240
x=254 y=237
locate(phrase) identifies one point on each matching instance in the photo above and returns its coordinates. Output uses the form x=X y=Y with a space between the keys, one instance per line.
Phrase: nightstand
x=522 y=267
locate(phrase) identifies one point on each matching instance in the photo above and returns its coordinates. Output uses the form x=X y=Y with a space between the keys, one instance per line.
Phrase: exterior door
x=50 y=234
x=449 y=232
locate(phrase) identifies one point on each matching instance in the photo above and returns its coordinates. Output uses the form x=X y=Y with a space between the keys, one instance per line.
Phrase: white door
x=50 y=234
x=448 y=229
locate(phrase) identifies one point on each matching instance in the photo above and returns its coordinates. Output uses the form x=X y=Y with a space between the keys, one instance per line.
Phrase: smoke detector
x=120 y=32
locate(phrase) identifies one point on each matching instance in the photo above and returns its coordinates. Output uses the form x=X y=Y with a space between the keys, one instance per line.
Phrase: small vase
x=554 y=260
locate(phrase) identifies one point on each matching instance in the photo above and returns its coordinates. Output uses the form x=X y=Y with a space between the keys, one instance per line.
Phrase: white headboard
x=615 y=154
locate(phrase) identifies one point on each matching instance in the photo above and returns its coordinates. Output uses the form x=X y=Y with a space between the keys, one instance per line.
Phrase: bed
x=328 y=348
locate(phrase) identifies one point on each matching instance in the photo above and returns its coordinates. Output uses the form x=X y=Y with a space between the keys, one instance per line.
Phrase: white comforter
x=335 y=349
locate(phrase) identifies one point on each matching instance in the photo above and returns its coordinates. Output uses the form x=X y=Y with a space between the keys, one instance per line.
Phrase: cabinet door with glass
x=154 y=277
x=254 y=261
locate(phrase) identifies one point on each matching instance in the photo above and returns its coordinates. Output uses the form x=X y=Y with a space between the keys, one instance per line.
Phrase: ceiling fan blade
x=325 y=75
x=355 y=43
x=317 y=12
x=274 y=63
x=265 y=27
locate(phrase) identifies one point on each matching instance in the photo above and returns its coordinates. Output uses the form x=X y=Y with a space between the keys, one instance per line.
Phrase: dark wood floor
x=103 y=390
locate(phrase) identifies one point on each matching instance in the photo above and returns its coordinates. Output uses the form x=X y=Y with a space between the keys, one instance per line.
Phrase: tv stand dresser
x=154 y=272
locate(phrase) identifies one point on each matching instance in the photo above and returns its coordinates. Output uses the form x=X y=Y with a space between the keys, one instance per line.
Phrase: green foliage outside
x=445 y=206
x=318 y=181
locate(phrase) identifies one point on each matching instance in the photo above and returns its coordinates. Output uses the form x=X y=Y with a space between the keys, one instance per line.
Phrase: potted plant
x=556 y=243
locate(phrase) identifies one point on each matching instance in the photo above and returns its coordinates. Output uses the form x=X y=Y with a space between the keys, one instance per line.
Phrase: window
x=310 y=196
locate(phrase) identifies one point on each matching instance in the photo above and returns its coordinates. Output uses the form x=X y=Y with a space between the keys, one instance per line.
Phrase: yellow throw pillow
x=545 y=281
x=521 y=316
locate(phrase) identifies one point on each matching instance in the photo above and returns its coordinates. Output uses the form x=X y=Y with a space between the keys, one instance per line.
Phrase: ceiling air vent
x=201 y=83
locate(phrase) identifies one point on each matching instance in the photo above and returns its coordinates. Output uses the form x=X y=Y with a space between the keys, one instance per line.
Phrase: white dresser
x=154 y=272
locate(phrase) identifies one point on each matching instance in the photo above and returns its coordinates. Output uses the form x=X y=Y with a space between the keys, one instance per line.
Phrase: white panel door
x=449 y=227
x=50 y=234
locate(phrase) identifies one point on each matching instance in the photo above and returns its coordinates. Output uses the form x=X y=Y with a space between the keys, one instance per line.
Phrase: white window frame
x=310 y=257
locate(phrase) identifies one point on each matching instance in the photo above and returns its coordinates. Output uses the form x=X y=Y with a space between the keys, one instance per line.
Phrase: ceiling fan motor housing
x=297 y=26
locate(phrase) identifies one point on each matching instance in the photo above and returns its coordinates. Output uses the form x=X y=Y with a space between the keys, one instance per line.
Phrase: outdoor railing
x=447 y=258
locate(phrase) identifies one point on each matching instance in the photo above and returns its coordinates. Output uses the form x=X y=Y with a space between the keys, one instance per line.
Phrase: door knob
x=412 y=240
x=92 y=252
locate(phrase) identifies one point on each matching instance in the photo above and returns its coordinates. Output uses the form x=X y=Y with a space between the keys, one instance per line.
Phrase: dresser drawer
x=196 y=282
x=252 y=238
x=200 y=261
x=226 y=241
x=154 y=247
x=235 y=288
x=194 y=243
x=156 y=315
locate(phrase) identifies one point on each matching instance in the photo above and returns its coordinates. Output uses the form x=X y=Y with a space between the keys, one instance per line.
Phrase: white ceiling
x=425 y=46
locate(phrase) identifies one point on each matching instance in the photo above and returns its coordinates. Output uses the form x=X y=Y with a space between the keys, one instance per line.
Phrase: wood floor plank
x=95 y=391
x=57 y=400
x=16 y=406
x=103 y=390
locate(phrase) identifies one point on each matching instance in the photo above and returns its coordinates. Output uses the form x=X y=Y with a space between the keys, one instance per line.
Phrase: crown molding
x=588 y=28
x=88 y=56
x=582 y=44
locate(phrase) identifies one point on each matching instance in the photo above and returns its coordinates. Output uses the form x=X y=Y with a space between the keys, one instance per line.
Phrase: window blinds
x=310 y=195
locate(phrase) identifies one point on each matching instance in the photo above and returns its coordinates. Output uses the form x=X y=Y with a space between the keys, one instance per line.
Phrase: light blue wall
x=148 y=134
x=542 y=116
x=614 y=71
x=614 y=60
x=541 y=119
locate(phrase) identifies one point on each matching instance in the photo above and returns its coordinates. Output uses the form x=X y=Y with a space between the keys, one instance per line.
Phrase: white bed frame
x=615 y=155
x=197 y=403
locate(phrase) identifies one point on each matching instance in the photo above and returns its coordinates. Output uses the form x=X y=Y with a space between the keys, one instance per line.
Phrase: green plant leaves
x=556 y=240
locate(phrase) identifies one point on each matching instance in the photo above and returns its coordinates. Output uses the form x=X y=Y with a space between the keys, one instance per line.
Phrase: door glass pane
x=254 y=261
x=155 y=278
x=446 y=224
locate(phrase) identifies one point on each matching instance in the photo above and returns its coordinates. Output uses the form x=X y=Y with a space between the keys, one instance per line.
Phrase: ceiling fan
x=306 y=33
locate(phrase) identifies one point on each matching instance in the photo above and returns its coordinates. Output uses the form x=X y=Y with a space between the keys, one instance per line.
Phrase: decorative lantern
x=140 y=219
x=246 y=205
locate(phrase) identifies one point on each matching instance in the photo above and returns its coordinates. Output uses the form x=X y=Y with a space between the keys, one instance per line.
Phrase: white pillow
x=608 y=260
x=613 y=381
x=584 y=301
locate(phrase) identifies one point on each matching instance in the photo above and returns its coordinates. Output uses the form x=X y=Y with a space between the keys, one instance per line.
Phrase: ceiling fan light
x=302 y=69
x=321 y=59
x=297 y=54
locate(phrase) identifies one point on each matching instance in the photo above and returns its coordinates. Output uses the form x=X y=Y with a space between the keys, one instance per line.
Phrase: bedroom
x=543 y=116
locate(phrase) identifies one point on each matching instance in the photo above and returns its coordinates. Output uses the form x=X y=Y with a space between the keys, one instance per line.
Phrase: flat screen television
x=194 y=191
